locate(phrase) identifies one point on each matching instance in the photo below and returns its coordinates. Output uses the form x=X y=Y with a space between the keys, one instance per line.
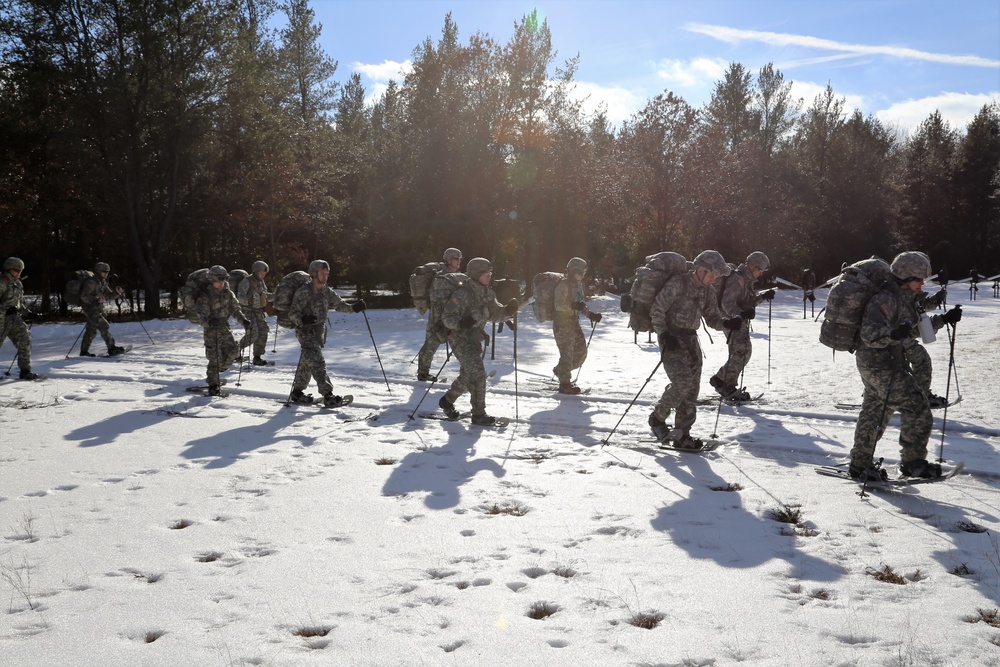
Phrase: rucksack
x=75 y=284
x=543 y=288
x=647 y=283
x=848 y=300
x=720 y=283
x=237 y=276
x=284 y=293
x=420 y=284
x=195 y=285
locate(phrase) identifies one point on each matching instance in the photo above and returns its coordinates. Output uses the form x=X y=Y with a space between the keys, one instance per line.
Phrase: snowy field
x=141 y=524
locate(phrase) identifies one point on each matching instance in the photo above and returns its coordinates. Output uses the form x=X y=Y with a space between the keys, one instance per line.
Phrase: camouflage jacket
x=568 y=292
x=885 y=311
x=253 y=293
x=738 y=293
x=311 y=301
x=680 y=305
x=11 y=293
x=216 y=306
x=94 y=292
x=473 y=299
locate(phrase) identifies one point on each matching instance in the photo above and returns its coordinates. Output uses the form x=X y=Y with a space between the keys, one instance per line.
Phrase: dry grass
x=646 y=620
x=731 y=486
x=788 y=514
x=510 y=507
x=886 y=574
x=540 y=610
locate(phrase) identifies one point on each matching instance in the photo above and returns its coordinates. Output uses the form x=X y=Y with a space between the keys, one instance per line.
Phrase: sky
x=897 y=60
x=142 y=524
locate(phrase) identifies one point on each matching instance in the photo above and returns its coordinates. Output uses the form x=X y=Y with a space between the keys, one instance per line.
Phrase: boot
x=297 y=396
x=661 y=431
x=448 y=408
x=87 y=353
x=484 y=420
x=687 y=442
x=569 y=388
x=426 y=377
x=214 y=390
x=332 y=401
x=115 y=350
x=869 y=473
x=28 y=375
x=258 y=361
x=920 y=468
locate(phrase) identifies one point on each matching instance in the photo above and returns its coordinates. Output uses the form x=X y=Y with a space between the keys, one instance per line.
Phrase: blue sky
x=897 y=60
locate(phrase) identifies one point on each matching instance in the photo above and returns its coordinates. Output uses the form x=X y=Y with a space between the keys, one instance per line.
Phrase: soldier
x=568 y=304
x=93 y=293
x=436 y=333
x=11 y=321
x=738 y=298
x=889 y=385
x=916 y=305
x=253 y=296
x=215 y=306
x=308 y=313
x=470 y=307
x=676 y=313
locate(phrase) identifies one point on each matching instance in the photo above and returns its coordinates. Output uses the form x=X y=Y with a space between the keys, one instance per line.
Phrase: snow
x=141 y=524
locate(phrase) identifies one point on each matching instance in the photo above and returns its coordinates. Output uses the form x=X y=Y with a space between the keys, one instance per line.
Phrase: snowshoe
x=448 y=408
x=258 y=361
x=115 y=350
x=870 y=473
x=920 y=468
x=688 y=443
x=571 y=389
x=484 y=420
x=334 y=401
x=297 y=396
x=28 y=375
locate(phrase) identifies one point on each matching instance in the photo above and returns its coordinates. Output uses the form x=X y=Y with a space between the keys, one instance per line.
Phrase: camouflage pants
x=432 y=341
x=257 y=334
x=95 y=322
x=13 y=327
x=467 y=346
x=683 y=368
x=572 y=349
x=311 y=362
x=920 y=364
x=888 y=392
x=740 y=351
x=221 y=351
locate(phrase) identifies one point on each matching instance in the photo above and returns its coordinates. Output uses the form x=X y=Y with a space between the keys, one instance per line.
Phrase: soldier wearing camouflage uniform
x=916 y=354
x=308 y=313
x=253 y=296
x=470 y=307
x=11 y=315
x=568 y=304
x=93 y=293
x=214 y=307
x=676 y=313
x=436 y=332
x=739 y=298
x=889 y=384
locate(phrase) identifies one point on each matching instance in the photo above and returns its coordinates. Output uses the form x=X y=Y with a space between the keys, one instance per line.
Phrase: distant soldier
x=436 y=333
x=12 y=311
x=310 y=305
x=215 y=306
x=93 y=293
x=569 y=304
x=253 y=297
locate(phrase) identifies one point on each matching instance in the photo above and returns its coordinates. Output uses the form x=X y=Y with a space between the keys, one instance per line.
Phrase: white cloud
x=696 y=73
x=807 y=91
x=619 y=104
x=385 y=71
x=956 y=108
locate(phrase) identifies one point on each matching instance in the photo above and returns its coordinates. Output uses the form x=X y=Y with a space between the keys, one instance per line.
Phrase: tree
x=977 y=237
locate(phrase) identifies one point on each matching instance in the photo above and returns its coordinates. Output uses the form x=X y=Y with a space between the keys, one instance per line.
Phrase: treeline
x=166 y=135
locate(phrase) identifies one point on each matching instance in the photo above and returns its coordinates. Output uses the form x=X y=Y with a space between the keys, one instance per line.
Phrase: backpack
x=647 y=283
x=75 y=284
x=720 y=284
x=848 y=300
x=420 y=284
x=195 y=285
x=543 y=287
x=236 y=276
x=284 y=293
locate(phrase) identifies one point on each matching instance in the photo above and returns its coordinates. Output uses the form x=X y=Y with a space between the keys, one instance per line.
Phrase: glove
x=217 y=321
x=466 y=322
x=668 y=341
x=486 y=339
x=579 y=306
x=594 y=317
x=953 y=316
x=510 y=325
x=11 y=310
x=511 y=308
x=309 y=319
x=811 y=297
x=359 y=306
x=246 y=324
x=748 y=314
x=901 y=332
x=768 y=295
x=733 y=324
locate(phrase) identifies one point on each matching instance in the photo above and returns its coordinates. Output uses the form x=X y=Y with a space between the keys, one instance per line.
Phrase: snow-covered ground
x=141 y=524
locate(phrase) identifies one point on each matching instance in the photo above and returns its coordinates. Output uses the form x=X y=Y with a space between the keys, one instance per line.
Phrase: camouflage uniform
x=738 y=295
x=215 y=307
x=676 y=315
x=93 y=293
x=889 y=385
x=478 y=302
x=436 y=333
x=253 y=295
x=566 y=329
x=11 y=323
x=309 y=300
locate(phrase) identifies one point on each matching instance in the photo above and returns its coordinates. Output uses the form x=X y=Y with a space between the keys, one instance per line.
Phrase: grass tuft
x=511 y=508
x=309 y=631
x=962 y=570
x=731 y=486
x=788 y=514
x=540 y=610
x=386 y=461
x=886 y=574
x=647 y=620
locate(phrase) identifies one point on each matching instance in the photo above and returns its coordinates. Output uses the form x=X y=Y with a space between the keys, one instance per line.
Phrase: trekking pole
x=274 y=345
x=593 y=325
x=516 y=415
x=75 y=340
x=769 y=341
x=239 y=374
x=947 y=391
x=629 y=407
x=7 y=372
x=376 y=351
x=409 y=417
x=136 y=316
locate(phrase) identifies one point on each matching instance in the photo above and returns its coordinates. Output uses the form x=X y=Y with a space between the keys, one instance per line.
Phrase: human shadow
x=571 y=415
x=223 y=448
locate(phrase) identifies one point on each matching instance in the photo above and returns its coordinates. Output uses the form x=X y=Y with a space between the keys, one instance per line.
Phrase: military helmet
x=576 y=265
x=316 y=265
x=259 y=266
x=758 y=259
x=911 y=264
x=478 y=267
x=217 y=273
x=452 y=253
x=102 y=266
x=712 y=261
x=13 y=263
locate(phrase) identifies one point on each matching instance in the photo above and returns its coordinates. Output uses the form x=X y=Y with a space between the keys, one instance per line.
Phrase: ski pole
x=516 y=415
x=426 y=391
x=239 y=350
x=274 y=345
x=376 y=351
x=136 y=316
x=769 y=341
x=7 y=372
x=75 y=340
x=947 y=391
x=593 y=325
x=629 y=407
